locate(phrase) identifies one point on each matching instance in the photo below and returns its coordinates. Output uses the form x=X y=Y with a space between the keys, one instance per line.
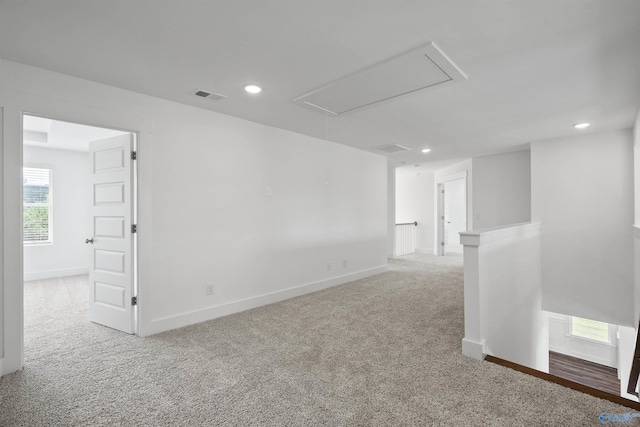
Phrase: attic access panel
x=408 y=72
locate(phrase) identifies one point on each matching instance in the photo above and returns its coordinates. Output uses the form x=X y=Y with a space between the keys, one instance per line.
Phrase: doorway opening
x=79 y=191
x=452 y=213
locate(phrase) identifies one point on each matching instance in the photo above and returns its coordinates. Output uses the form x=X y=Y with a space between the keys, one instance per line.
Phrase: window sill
x=590 y=341
x=26 y=244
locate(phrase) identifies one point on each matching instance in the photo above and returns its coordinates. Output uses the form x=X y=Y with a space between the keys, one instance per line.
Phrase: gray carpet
x=381 y=351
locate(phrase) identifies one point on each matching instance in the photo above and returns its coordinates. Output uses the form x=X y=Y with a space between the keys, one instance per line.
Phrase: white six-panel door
x=111 y=243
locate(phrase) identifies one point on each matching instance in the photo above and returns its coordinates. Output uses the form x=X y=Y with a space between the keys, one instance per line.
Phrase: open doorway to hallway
x=420 y=211
x=65 y=211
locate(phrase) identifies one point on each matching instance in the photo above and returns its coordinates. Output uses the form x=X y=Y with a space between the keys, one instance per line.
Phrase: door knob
x=89 y=240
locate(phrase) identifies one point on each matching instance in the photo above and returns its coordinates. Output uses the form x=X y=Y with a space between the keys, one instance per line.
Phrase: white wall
x=3 y=312
x=68 y=255
x=414 y=202
x=391 y=210
x=636 y=167
x=502 y=189
x=582 y=193
x=203 y=214
x=636 y=230
x=502 y=296
x=636 y=272
x=628 y=335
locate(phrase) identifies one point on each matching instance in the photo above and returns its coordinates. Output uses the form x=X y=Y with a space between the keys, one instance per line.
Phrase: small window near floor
x=590 y=329
x=37 y=197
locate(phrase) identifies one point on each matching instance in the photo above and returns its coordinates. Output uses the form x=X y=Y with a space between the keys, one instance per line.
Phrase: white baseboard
x=2 y=366
x=473 y=349
x=39 y=275
x=173 y=322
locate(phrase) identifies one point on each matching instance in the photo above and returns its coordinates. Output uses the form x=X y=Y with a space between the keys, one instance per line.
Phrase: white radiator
x=406 y=236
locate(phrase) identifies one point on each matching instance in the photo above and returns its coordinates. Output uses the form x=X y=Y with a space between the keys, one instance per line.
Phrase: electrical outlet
x=344 y=263
x=267 y=192
x=329 y=266
x=210 y=290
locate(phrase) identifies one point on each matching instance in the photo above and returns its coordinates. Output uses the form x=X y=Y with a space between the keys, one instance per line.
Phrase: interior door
x=440 y=227
x=447 y=222
x=455 y=213
x=111 y=266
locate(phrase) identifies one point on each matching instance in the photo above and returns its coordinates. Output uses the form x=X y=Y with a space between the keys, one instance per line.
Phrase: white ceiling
x=534 y=67
x=62 y=135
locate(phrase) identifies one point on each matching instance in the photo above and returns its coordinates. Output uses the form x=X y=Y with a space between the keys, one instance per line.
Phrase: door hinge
x=134 y=300
x=441 y=243
x=134 y=155
x=442 y=217
x=134 y=228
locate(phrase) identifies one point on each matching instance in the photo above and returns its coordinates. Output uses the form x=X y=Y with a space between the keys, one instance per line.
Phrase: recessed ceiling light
x=581 y=125
x=252 y=88
x=426 y=150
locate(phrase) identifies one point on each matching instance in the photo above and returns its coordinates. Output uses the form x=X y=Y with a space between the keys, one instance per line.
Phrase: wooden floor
x=584 y=372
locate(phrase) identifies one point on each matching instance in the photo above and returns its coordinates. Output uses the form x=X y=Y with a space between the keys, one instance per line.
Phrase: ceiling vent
x=208 y=95
x=393 y=148
x=417 y=69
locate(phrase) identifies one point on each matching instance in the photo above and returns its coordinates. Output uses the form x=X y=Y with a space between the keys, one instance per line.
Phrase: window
x=37 y=206
x=590 y=329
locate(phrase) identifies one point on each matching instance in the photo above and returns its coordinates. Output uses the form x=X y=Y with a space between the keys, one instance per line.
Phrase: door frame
x=440 y=226
x=12 y=109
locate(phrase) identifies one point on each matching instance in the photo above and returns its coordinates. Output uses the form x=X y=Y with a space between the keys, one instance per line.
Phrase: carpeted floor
x=381 y=351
